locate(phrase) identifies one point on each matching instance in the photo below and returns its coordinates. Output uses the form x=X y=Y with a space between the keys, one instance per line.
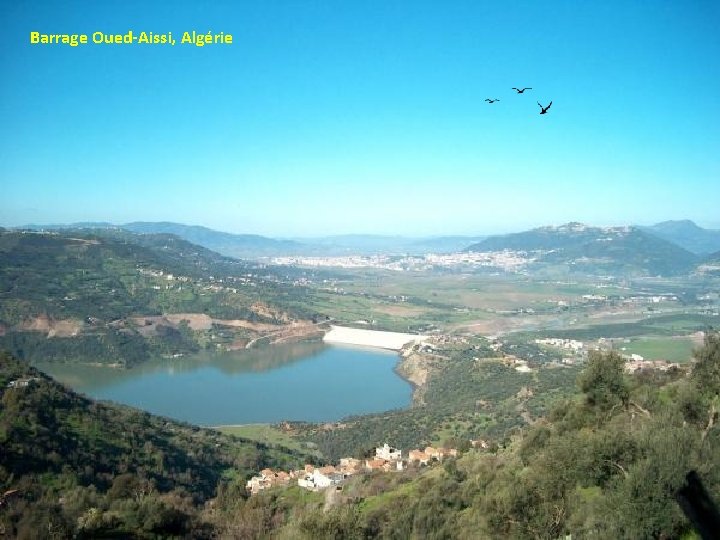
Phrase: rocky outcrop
x=417 y=368
x=265 y=311
x=297 y=331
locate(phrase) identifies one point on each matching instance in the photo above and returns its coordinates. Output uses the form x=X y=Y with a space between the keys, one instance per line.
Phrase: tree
x=603 y=381
x=706 y=372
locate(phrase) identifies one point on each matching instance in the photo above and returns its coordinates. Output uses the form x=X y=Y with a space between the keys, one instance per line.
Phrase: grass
x=670 y=349
x=267 y=434
x=373 y=502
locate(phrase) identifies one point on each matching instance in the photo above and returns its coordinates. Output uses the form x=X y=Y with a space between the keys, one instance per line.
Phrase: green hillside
x=82 y=467
x=72 y=295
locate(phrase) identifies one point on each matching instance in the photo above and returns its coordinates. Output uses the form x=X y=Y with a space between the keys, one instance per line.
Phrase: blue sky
x=328 y=117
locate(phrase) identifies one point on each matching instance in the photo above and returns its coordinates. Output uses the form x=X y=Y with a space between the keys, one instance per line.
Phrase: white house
x=388 y=453
x=320 y=478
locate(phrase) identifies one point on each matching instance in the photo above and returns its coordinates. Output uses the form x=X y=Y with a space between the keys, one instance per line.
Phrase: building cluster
x=650 y=299
x=594 y=297
x=636 y=363
x=568 y=344
x=22 y=383
x=386 y=459
x=507 y=260
x=518 y=364
x=211 y=284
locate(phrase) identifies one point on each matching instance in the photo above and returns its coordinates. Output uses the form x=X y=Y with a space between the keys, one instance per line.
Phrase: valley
x=481 y=351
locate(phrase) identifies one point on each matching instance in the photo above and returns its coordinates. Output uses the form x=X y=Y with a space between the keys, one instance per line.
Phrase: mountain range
x=665 y=248
x=252 y=246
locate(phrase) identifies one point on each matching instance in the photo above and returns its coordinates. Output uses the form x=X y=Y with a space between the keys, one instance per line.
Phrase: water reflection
x=84 y=378
x=303 y=381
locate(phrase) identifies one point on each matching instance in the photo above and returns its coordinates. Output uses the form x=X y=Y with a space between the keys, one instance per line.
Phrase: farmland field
x=672 y=349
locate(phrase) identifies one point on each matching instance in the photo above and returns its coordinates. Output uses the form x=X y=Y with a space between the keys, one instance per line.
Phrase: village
x=386 y=459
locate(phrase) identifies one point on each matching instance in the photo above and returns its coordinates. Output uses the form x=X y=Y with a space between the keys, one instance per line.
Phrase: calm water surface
x=305 y=381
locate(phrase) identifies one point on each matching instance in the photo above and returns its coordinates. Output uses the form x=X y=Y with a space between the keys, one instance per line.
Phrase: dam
x=393 y=341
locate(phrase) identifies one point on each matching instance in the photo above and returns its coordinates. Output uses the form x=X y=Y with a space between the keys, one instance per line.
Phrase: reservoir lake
x=303 y=381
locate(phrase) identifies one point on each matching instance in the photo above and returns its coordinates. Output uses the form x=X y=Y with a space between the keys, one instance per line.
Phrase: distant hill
x=239 y=246
x=444 y=244
x=373 y=244
x=232 y=245
x=101 y=470
x=253 y=246
x=597 y=249
x=688 y=235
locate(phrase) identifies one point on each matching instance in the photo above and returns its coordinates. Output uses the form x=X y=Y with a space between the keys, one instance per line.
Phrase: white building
x=320 y=478
x=388 y=453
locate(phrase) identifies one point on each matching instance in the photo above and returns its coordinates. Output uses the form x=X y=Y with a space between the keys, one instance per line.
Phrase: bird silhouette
x=492 y=100
x=521 y=90
x=544 y=110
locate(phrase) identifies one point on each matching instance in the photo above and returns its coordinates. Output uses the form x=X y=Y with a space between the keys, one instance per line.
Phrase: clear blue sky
x=336 y=117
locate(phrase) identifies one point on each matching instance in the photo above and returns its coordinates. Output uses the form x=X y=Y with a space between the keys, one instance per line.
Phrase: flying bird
x=492 y=100
x=544 y=110
x=521 y=90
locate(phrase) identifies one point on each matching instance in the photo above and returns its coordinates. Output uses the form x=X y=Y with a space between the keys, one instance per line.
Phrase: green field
x=670 y=349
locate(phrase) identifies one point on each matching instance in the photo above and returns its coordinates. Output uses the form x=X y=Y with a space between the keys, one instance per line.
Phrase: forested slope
x=76 y=466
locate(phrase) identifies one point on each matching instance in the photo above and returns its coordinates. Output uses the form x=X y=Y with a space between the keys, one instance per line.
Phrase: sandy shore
x=370 y=338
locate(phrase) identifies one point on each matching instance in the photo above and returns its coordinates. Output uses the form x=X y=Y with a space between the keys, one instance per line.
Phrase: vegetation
x=604 y=464
x=82 y=290
x=670 y=349
x=90 y=469
x=270 y=435
x=661 y=325
x=587 y=451
x=466 y=397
